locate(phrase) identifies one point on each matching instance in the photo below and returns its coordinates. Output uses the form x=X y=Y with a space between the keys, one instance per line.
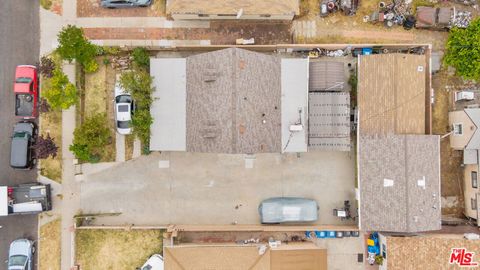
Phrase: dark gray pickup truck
x=21 y=154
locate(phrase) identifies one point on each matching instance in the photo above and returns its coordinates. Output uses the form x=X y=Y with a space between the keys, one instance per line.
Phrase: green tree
x=463 y=50
x=90 y=138
x=73 y=45
x=141 y=57
x=139 y=84
x=61 y=94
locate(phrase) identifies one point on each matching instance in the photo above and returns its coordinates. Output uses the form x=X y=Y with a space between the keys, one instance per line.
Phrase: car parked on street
x=21 y=152
x=155 y=262
x=125 y=3
x=124 y=107
x=20 y=255
x=26 y=91
x=288 y=210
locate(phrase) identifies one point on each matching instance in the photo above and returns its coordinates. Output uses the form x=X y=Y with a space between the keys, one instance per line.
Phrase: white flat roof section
x=168 y=131
x=294 y=105
x=3 y=201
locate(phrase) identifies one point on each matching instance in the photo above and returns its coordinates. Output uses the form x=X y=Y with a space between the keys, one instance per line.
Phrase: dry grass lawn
x=51 y=123
x=116 y=249
x=50 y=246
x=97 y=95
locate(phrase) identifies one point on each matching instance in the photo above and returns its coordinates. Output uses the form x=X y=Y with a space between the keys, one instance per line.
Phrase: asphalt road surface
x=19 y=44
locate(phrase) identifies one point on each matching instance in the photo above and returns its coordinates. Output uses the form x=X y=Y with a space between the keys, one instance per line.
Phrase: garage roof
x=392 y=94
x=168 y=130
x=399 y=183
x=329 y=121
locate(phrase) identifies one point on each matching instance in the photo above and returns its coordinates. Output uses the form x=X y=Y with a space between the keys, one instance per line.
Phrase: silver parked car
x=125 y=3
x=288 y=209
x=20 y=255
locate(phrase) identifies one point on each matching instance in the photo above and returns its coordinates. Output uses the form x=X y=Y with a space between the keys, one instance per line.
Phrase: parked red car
x=26 y=91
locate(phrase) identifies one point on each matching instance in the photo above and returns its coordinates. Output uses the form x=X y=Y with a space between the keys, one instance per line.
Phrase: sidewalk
x=71 y=189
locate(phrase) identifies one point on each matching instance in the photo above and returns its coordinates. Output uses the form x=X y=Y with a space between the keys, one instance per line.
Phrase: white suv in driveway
x=20 y=255
x=124 y=107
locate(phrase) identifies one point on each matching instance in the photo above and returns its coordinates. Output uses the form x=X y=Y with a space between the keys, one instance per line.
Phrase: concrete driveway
x=194 y=188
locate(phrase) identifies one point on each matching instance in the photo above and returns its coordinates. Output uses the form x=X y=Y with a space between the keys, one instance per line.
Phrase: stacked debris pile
x=348 y=7
x=442 y=18
x=461 y=19
x=395 y=13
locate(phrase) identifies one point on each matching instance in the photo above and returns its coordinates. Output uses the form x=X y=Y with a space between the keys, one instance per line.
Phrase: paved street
x=19 y=42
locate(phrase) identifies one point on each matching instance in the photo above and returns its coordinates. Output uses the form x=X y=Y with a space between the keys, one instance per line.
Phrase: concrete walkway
x=137 y=148
x=119 y=147
x=71 y=189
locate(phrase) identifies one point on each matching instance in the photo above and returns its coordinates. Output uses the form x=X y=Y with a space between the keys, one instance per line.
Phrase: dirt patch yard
x=451 y=160
x=110 y=249
x=91 y=8
x=338 y=28
x=49 y=246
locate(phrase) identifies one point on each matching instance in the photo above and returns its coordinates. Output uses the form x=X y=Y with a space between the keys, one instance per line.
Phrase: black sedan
x=125 y=3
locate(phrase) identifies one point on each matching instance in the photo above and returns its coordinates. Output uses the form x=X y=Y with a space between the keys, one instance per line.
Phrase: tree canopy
x=73 y=45
x=463 y=50
x=60 y=93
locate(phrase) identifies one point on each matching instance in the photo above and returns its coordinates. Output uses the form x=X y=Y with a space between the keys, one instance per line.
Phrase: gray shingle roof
x=474 y=115
x=233 y=102
x=391 y=171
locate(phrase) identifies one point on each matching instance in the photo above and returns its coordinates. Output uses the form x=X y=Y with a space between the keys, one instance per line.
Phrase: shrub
x=61 y=94
x=141 y=57
x=91 y=66
x=462 y=50
x=139 y=84
x=141 y=122
x=90 y=138
x=111 y=50
x=46 y=4
x=73 y=45
x=45 y=147
x=47 y=66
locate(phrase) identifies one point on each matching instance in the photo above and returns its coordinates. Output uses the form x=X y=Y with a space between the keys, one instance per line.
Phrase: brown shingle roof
x=238 y=257
x=233 y=102
x=391 y=94
x=404 y=161
x=426 y=252
x=250 y=7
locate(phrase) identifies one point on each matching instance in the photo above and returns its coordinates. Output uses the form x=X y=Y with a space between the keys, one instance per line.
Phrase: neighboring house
x=231 y=9
x=400 y=183
x=230 y=101
x=426 y=252
x=398 y=165
x=240 y=257
x=466 y=136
